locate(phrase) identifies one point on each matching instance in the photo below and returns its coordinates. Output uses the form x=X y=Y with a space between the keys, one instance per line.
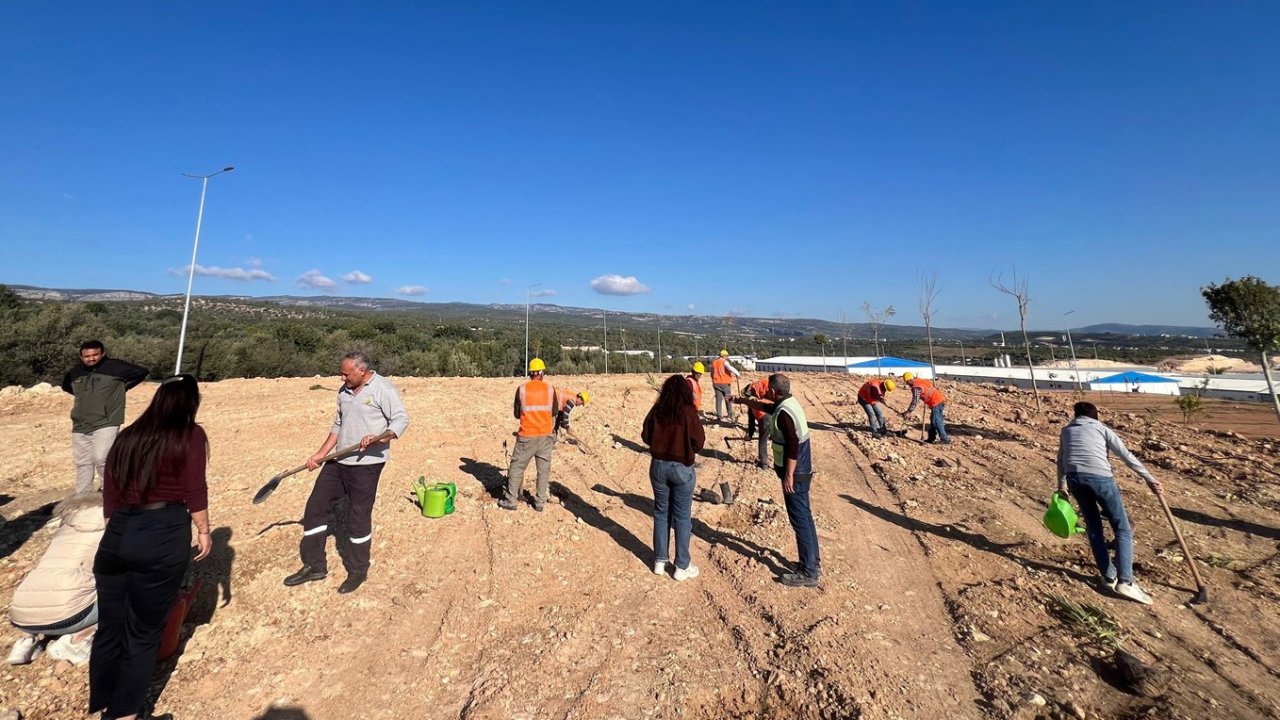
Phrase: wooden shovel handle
x=1173 y=523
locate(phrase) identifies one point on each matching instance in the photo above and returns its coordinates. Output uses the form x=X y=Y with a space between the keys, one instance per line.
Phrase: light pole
x=191 y=271
x=526 y=324
x=1072 y=345
x=606 y=342
x=658 y=320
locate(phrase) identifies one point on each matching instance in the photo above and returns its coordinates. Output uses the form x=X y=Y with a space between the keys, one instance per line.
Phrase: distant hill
x=1157 y=330
x=709 y=325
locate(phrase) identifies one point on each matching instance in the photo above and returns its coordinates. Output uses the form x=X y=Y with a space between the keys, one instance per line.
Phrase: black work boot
x=353 y=581
x=305 y=575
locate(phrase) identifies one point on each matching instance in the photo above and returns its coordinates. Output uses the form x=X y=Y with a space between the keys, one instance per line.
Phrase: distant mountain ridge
x=694 y=324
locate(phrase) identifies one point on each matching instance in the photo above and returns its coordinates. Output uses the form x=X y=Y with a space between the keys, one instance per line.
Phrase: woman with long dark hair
x=674 y=434
x=154 y=489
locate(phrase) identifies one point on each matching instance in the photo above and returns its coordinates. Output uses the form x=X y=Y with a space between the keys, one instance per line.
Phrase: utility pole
x=606 y=342
x=626 y=363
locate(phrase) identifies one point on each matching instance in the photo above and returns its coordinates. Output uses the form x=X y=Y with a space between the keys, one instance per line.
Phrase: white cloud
x=542 y=293
x=619 y=285
x=411 y=290
x=357 y=276
x=315 y=280
x=241 y=274
x=692 y=306
x=504 y=281
x=253 y=261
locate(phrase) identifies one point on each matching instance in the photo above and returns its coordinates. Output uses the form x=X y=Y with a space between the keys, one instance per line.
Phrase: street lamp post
x=606 y=342
x=191 y=271
x=1072 y=345
x=526 y=324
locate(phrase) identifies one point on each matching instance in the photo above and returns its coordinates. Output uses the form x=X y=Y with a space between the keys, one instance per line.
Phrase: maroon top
x=182 y=481
x=679 y=442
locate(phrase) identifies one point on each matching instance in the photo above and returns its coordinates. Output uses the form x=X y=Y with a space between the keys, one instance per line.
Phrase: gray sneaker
x=1131 y=591
x=1108 y=583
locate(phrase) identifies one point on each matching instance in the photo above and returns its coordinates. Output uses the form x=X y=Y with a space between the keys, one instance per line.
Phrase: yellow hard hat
x=724 y=353
x=908 y=376
x=889 y=385
x=699 y=367
x=586 y=397
x=536 y=365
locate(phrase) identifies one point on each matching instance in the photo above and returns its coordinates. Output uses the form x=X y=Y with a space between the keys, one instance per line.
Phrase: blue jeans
x=939 y=424
x=1099 y=497
x=875 y=416
x=673 y=485
x=801 y=517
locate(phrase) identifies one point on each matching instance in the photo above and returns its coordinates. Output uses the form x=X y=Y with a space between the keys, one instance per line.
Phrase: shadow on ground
x=284 y=713
x=491 y=477
x=974 y=540
x=591 y=515
x=1243 y=526
x=768 y=557
x=16 y=532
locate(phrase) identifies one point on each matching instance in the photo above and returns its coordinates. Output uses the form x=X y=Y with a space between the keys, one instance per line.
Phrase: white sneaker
x=688 y=573
x=1133 y=592
x=24 y=650
x=76 y=653
x=659 y=567
x=1108 y=583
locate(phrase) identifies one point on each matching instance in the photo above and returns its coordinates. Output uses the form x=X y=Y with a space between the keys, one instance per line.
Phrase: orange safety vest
x=761 y=387
x=696 y=387
x=872 y=391
x=538 y=409
x=930 y=395
x=720 y=374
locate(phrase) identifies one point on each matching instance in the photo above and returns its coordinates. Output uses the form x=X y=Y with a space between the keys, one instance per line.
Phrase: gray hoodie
x=1083 y=447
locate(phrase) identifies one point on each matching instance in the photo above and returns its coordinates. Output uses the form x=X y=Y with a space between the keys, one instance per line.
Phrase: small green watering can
x=435 y=499
x=1061 y=518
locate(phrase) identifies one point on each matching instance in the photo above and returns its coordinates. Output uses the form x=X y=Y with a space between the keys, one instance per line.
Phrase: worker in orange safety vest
x=759 y=389
x=871 y=396
x=926 y=392
x=541 y=408
x=722 y=374
x=695 y=384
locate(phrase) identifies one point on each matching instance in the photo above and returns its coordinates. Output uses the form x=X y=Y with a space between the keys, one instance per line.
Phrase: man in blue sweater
x=1085 y=472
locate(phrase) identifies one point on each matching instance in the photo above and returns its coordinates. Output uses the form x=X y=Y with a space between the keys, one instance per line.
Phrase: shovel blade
x=266 y=490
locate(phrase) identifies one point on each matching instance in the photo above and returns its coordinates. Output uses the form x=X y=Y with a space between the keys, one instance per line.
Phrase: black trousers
x=359 y=484
x=138 y=569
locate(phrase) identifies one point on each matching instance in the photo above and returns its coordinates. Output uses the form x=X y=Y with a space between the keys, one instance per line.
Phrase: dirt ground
x=937 y=598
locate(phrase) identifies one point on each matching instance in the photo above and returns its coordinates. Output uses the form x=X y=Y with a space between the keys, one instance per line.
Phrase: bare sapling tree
x=927 y=296
x=877 y=318
x=1249 y=309
x=844 y=336
x=822 y=341
x=1019 y=293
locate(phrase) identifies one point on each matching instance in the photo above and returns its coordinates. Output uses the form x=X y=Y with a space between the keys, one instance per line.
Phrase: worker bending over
x=871 y=397
x=924 y=391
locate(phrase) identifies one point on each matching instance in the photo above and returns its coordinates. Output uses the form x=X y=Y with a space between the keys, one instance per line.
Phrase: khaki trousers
x=89 y=453
x=537 y=449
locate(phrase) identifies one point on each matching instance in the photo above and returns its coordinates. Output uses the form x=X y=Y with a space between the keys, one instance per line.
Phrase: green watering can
x=435 y=499
x=1060 y=517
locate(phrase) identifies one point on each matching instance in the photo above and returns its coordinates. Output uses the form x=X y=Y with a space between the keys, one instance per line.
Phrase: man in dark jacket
x=98 y=384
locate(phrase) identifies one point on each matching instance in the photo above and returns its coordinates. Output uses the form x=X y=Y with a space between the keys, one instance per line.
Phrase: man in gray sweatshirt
x=1084 y=471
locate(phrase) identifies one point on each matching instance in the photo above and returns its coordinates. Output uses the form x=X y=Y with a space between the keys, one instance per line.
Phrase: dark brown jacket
x=677 y=442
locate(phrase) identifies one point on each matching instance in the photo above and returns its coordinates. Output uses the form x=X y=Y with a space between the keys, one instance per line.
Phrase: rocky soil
x=942 y=594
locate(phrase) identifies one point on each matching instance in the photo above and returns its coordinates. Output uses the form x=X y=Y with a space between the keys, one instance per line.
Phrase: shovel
x=273 y=483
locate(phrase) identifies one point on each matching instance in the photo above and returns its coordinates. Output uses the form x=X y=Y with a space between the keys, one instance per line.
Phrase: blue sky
x=757 y=158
